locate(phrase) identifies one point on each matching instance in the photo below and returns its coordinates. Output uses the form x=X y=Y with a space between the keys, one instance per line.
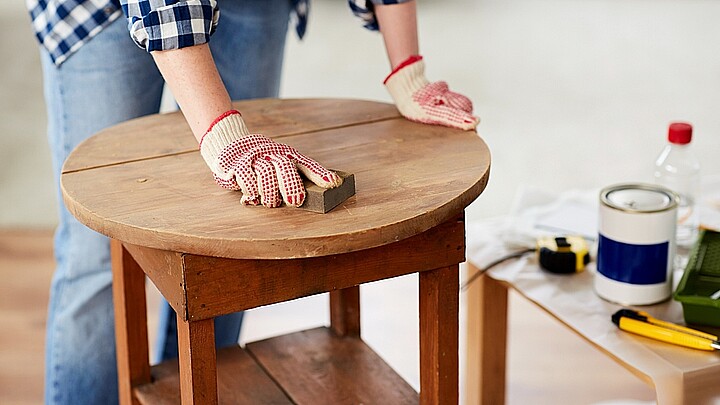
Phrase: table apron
x=203 y=287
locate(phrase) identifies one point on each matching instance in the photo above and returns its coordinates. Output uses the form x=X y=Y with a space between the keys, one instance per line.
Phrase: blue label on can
x=633 y=264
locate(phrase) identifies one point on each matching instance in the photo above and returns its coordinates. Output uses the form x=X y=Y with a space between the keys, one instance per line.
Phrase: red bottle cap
x=680 y=133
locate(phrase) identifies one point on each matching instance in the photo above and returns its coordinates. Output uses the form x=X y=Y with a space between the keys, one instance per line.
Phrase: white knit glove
x=430 y=103
x=264 y=170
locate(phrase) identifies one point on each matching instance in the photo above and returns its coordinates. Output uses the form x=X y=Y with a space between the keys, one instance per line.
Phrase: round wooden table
x=144 y=184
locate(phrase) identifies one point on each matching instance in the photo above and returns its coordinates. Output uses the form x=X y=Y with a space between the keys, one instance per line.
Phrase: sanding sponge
x=323 y=200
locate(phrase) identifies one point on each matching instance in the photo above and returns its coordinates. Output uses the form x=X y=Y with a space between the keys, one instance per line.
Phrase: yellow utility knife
x=643 y=324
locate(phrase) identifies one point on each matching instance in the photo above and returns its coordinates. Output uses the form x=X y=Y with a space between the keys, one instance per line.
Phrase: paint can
x=636 y=244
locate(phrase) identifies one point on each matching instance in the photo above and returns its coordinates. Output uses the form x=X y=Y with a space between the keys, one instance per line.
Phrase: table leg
x=439 y=301
x=487 y=302
x=131 y=335
x=345 y=311
x=198 y=361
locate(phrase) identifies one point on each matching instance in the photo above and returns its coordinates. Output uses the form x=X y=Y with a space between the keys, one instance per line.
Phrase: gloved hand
x=430 y=103
x=262 y=169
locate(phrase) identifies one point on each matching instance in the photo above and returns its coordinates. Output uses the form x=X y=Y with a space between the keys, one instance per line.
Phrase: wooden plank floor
x=547 y=363
x=26 y=266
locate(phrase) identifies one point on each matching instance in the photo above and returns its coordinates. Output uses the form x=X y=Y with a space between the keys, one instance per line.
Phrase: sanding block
x=323 y=200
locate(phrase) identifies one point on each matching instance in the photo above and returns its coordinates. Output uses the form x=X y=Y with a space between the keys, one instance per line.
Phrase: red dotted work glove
x=263 y=170
x=430 y=103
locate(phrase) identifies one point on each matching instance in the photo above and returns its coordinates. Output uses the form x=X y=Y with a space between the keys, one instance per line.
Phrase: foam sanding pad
x=323 y=200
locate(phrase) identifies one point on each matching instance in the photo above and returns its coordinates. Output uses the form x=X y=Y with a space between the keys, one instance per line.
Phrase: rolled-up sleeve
x=365 y=10
x=159 y=25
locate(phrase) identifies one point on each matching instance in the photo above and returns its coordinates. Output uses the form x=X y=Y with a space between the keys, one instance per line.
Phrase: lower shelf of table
x=309 y=367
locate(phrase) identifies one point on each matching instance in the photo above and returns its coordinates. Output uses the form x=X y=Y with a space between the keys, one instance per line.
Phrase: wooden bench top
x=144 y=182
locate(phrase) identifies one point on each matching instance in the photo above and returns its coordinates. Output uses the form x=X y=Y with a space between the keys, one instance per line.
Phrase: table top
x=144 y=182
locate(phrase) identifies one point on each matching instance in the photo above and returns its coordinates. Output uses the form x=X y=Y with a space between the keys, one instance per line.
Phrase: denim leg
x=248 y=50
x=248 y=46
x=109 y=80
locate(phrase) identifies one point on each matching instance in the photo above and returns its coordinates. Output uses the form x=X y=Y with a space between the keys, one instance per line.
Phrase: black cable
x=503 y=259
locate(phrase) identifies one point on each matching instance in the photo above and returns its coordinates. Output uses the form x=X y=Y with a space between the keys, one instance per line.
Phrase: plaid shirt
x=63 y=26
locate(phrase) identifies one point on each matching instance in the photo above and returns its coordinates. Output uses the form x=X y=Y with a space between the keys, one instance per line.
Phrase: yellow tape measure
x=563 y=255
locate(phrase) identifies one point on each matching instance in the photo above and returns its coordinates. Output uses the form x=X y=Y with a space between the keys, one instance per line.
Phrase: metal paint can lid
x=638 y=198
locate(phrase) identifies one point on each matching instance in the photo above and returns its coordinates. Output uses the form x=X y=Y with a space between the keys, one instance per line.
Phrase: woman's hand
x=265 y=171
x=430 y=103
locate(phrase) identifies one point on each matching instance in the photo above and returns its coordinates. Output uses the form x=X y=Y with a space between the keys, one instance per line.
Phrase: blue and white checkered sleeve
x=366 y=11
x=158 y=25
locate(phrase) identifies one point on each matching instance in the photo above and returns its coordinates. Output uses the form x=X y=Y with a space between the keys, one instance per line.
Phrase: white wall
x=26 y=186
x=572 y=94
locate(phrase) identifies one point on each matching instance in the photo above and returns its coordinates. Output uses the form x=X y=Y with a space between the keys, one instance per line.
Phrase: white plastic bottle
x=678 y=169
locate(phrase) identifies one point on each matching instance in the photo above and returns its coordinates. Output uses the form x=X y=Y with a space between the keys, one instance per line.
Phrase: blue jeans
x=110 y=80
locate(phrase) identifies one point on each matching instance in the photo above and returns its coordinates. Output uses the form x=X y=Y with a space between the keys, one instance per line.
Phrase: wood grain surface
x=197 y=362
x=439 y=307
x=144 y=183
x=131 y=334
x=240 y=381
x=217 y=286
x=317 y=367
x=345 y=312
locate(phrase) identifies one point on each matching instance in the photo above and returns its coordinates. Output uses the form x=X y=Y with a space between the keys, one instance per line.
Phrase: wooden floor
x=26 y=266
x=546 y=363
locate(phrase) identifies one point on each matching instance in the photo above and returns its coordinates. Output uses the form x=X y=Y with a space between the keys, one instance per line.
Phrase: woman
x=95 y=77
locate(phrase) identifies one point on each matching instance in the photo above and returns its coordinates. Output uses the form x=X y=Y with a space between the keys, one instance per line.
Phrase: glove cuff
x=409 y=61
x=226 y=129
x=407 y=78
